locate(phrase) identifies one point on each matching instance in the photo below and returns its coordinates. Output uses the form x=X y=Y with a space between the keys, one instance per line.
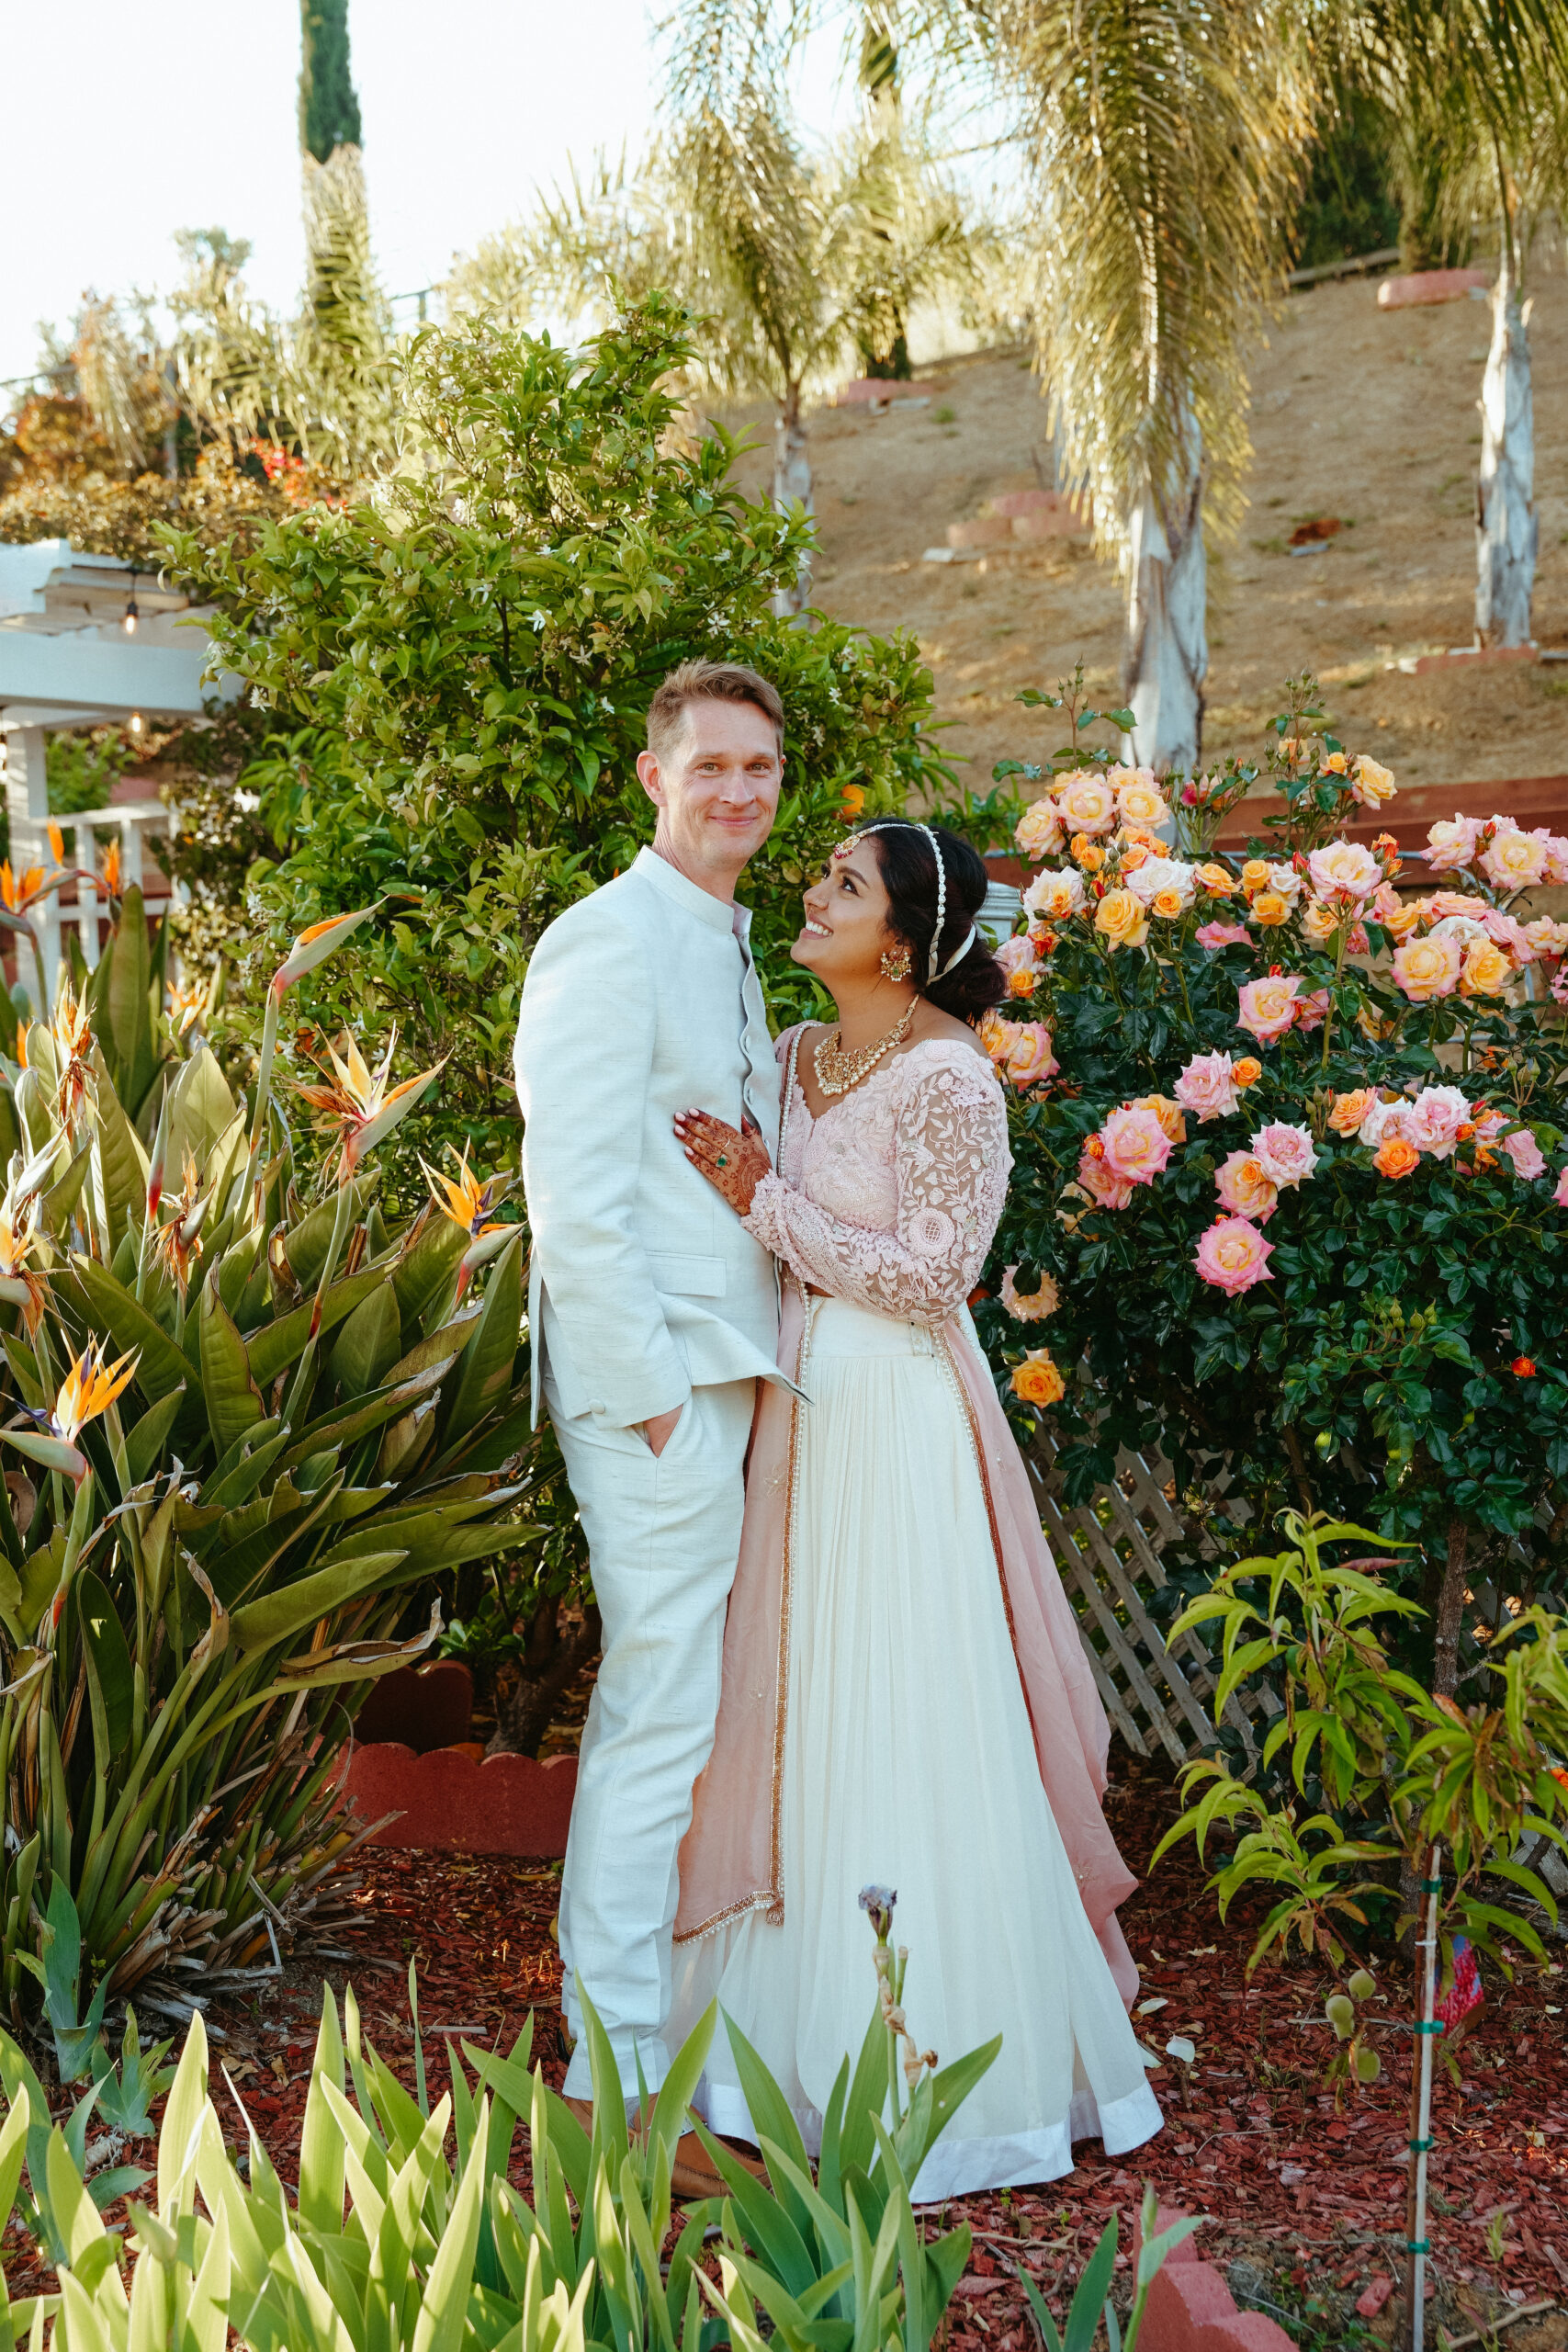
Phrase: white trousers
x=663 y=1539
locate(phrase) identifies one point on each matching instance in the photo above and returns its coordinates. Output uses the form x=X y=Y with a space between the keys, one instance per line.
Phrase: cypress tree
x=329 y=111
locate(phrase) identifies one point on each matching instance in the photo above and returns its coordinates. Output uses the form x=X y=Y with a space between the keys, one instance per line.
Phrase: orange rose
x=1246 y=1072
x=1134 y=854
x=1168 y=905
x=1396 y=1156
x=1217 y=880
x=1120 y=919
x=1488 y=970
x=1255 y=875
x=1087 y=854
x=1269 y=909
x=1037 y=1380
x=1335 y=764
x=1349 y=1110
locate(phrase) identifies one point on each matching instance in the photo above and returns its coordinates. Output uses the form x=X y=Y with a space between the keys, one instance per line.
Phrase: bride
x=905 y=1699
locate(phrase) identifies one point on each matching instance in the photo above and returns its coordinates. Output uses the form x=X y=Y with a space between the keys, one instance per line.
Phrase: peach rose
x=996 y=1036
x=1343 y=869
x=1018 y=960
x=1168 y=1113
x=1030 y=1306
x=1246 y=1187
x=1134 y=854
x=1351 y=1109
x=1207 y=1087
x=1402 y=920
x=1428 y=968
x=1312 y=1011
x=1089 y=854
x=1057 y=894
x=1135 y=1144
x=1255 y=875
x=1372 y=784
x=1514 y=861
x=1247 y=1072
x=1547 y=936
x=1038 y=831
x=1120 y=919
x=1269 y=909
x=1216 y=879
x=1335 y=764
x=1232 y=1255
x=1030 y=1060
x=1488 y=970
x=1099 y=1180
x=1139 y=799
x=1319 y=923
x=1267 y=1007
x=1435 y=1118
x=1384 y=1118
x=1155 y=875
x=1037 y=1380
x=1086 y=801
x=1396 y=1156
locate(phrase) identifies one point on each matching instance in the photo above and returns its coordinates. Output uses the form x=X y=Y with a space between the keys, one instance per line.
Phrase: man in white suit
x=653 y=1314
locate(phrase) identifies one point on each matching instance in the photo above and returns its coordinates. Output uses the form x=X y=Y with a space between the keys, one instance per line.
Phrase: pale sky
x=125 y=125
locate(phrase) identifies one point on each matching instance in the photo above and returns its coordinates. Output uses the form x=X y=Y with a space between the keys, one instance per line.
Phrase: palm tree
x=1480 y=144
x=788 y=261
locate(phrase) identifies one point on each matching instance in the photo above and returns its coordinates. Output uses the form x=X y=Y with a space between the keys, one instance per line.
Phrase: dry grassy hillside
x=1365 y=414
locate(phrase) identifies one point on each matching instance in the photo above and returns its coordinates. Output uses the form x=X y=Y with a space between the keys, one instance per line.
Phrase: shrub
x=1284 y=1194
x=459 y=669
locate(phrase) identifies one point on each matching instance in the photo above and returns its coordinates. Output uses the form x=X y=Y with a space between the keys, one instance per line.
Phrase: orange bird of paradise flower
x=19 y=1283
x=89 y=1388
x=467 y=1203
x=72 y=1048
x=178 y=1245
x=359 y=1103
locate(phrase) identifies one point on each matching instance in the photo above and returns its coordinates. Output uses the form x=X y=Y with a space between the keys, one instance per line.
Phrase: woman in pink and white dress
x=906 y=1700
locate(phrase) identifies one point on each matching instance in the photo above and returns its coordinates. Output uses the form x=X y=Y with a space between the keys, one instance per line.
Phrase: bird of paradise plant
x=359 y=1103
x=467 y=1203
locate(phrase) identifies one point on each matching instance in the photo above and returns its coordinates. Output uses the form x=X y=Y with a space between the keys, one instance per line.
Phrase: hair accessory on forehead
x=909 y=824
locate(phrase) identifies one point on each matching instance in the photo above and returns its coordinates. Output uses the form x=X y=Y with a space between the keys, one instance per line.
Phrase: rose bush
x=1290 y=1168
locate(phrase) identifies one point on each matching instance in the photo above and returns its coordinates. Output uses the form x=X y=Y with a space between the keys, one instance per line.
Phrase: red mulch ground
x=1305 y=2200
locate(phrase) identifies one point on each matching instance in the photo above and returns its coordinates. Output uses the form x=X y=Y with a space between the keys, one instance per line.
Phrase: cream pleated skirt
x=909 y=1763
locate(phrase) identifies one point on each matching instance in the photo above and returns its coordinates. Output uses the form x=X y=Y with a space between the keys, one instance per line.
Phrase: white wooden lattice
x=1108 y=1552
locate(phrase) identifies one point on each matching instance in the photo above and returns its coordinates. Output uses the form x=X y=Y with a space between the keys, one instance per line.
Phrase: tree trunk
x=1168 y=649
x=552 y=1660
x=1507 y=530
x=792 y=488
x=1450 y=1618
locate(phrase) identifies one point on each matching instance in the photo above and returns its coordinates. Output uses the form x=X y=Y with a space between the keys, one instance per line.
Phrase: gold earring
x=896 y=963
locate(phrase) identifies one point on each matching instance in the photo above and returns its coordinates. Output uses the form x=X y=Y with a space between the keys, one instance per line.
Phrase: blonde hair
x=707 y=682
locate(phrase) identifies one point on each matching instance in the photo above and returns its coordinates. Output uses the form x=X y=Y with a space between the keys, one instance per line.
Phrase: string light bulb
x=136 y=722
x=132 y=613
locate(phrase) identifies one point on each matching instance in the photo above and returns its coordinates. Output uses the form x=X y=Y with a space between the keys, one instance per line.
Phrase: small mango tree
x=240 y=1423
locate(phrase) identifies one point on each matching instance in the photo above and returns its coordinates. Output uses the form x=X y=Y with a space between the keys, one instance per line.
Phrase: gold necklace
x=838 y=1071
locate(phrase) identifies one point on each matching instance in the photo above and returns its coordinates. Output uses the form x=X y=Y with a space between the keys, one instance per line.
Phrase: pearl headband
x=909 y=824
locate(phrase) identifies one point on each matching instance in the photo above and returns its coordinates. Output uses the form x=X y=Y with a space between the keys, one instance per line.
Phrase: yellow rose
x=1087 y=854
x=1246 y=1072
x=1255 y=875
x=1269 y=909
x=1372 y=784
x=1037 y=1380
x=1334 y=763
x=1319 y=923
x=1488 y=970
x=1401 y=921
x=1120 y=919
x=1217 y=880
x=1142 y=804
x=1168 y=905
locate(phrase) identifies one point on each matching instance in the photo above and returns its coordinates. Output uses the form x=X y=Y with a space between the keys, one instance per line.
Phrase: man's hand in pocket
x=661 y=1429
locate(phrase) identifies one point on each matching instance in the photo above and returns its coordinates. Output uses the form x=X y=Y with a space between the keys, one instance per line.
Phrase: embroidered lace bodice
x=892 y=1196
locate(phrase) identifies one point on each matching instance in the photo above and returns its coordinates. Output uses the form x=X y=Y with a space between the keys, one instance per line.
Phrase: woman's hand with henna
x=733 y=1159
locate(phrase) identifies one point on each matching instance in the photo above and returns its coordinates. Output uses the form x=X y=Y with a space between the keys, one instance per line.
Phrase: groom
x=653 y=1314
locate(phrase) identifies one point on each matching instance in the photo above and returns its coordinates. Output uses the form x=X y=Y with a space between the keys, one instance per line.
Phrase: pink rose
x=1428 y=968
x=1099 y=1180
x=1451 y=846
x=1561 y=1194
x=1232 y=1255
x=1029 y=1059
x=1507 y=931
x=1522 y=1149
x=1136 y=1146
x=1285 y=1153
x=1344 y=870
x=1018 y=961
x=1435 y=1118
x=1030 y=1306
x=1215 y=935
x=1207 y=1086
x=1246 y=1187
x=1383 y=1119
x=1312 y=1011
x=1267 y=1007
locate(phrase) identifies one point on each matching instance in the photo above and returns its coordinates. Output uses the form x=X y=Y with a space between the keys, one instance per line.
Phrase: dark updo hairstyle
x=909 y=879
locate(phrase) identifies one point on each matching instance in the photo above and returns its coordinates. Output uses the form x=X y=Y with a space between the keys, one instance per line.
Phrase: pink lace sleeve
x=952 y=1161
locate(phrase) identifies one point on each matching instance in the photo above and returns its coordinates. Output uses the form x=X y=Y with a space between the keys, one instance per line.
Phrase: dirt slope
x=1365 y=414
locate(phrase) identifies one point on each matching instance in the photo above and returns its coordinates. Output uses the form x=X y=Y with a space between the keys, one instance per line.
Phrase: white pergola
x=86 y=639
